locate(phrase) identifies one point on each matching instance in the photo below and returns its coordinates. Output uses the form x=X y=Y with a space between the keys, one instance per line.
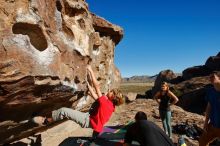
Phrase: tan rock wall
x=45 y=46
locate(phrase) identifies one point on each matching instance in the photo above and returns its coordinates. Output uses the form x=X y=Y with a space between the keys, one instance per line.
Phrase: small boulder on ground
x=131 y=96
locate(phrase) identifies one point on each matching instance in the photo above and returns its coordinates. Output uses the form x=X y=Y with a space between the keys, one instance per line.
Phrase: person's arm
x=92 y=92
x=173 y=96
x=94 y=81
x=156 y=97
x=207 y=112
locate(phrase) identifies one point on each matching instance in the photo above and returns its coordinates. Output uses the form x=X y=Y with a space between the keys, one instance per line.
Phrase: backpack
x=192 y=131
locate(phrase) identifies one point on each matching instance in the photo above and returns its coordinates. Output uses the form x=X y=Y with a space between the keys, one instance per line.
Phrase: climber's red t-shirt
x=101 y=113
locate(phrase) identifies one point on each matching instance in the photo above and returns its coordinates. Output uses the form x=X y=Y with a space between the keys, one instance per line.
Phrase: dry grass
x=139 y=88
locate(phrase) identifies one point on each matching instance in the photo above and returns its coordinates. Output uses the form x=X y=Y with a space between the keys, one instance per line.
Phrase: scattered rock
x=131 y=96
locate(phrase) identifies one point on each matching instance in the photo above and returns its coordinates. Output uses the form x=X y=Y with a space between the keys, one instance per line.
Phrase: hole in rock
x=73 y=11
x=68 y=32
x=99 y=78
x=58 y=5
x=82 y=23
x=76 y=80
x=34 y=32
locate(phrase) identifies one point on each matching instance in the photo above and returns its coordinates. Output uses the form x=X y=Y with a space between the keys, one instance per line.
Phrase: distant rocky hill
x=143 y=79
x=139 y=79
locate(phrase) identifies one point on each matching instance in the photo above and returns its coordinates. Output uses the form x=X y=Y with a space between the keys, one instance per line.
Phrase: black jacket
x=147 y=134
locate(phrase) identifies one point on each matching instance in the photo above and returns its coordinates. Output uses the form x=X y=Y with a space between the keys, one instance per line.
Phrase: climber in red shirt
x=106 y=103
x=98 y=115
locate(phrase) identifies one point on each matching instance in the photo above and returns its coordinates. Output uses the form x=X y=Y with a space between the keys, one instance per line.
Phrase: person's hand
x=88 y=76
x=89 y=68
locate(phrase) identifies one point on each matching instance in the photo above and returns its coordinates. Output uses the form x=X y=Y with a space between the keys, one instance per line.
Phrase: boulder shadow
x=86 y=141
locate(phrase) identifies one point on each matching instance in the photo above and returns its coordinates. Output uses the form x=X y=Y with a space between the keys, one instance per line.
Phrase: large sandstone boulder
x=195 y=71
x=213 y=62
x=192 y=89
x=191 y=94
x=45 y=46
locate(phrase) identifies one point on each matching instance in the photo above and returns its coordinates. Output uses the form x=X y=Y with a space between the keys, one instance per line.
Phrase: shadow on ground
x=85 y=141
x=111 y=136
x=34 y=142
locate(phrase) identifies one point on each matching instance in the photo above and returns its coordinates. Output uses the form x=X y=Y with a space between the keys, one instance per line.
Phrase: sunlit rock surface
x=45 y=46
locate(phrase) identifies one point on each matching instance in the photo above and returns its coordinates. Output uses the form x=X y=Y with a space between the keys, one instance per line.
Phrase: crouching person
x=146 y=133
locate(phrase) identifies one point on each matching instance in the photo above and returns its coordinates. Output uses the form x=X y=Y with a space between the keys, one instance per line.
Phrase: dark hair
x=140 y=116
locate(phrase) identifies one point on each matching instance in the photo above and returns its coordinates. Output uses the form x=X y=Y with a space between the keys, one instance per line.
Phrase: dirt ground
x=63 y=134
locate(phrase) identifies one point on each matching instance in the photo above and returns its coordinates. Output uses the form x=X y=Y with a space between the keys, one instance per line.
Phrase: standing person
x=146 y=133
x=212 y=116
x=97 y=117
x=165 y=98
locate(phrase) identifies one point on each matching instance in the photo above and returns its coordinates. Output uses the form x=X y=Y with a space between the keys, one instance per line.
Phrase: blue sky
x=162 y=34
